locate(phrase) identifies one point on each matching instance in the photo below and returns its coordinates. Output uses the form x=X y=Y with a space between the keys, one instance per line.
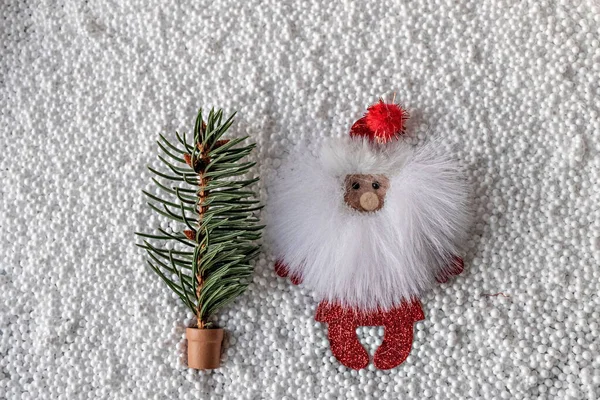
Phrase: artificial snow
x=511 y=88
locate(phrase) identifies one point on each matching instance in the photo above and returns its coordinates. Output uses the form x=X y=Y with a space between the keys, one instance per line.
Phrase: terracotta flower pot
x=204 y=348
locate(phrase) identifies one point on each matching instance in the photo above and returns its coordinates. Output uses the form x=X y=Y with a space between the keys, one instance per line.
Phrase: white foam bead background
x=85 y=88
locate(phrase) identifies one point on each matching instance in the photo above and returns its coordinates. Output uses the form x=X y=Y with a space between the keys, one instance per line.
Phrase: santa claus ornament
x=369 y=223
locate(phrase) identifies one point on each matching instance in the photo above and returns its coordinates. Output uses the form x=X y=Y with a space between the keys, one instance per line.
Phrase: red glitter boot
x=398 y=336
x=396 y=346
x=343 y=341
x=345 y=346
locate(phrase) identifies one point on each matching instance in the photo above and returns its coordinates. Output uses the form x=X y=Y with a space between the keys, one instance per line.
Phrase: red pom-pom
x=385 y=121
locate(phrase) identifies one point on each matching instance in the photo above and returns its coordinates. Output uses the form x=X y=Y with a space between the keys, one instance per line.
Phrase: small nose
x=369 y=201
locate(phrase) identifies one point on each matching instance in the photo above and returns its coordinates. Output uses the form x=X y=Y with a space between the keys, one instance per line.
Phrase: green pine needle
x=201 y=191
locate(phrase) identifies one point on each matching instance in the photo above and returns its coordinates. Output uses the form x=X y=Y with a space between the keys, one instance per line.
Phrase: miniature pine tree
x=203 y=190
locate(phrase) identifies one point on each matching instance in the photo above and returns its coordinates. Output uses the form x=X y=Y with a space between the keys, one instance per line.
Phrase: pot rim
x=204 y=335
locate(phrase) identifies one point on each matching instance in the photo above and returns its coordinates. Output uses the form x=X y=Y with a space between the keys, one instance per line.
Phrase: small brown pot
x=204 y=348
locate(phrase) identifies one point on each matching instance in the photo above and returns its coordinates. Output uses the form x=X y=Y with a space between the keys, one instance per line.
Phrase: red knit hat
x=382 y=122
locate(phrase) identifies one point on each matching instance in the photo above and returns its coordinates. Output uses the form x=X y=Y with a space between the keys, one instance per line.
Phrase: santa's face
x=367 y=226
x=365 y=193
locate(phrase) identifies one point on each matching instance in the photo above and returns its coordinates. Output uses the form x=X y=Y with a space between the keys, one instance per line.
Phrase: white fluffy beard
x=368 y=260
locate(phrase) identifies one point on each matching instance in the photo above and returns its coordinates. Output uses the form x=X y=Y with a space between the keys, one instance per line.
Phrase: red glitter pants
x=397 y=322
x=397 y=342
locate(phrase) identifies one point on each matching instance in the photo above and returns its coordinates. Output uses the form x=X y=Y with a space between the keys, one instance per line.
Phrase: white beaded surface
x=85 y=88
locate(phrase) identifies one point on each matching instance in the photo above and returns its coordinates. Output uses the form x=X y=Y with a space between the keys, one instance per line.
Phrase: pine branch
x=203 y=189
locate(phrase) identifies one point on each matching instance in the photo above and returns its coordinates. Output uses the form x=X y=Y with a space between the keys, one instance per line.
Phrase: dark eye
x=375 y=185
x=355 y=185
